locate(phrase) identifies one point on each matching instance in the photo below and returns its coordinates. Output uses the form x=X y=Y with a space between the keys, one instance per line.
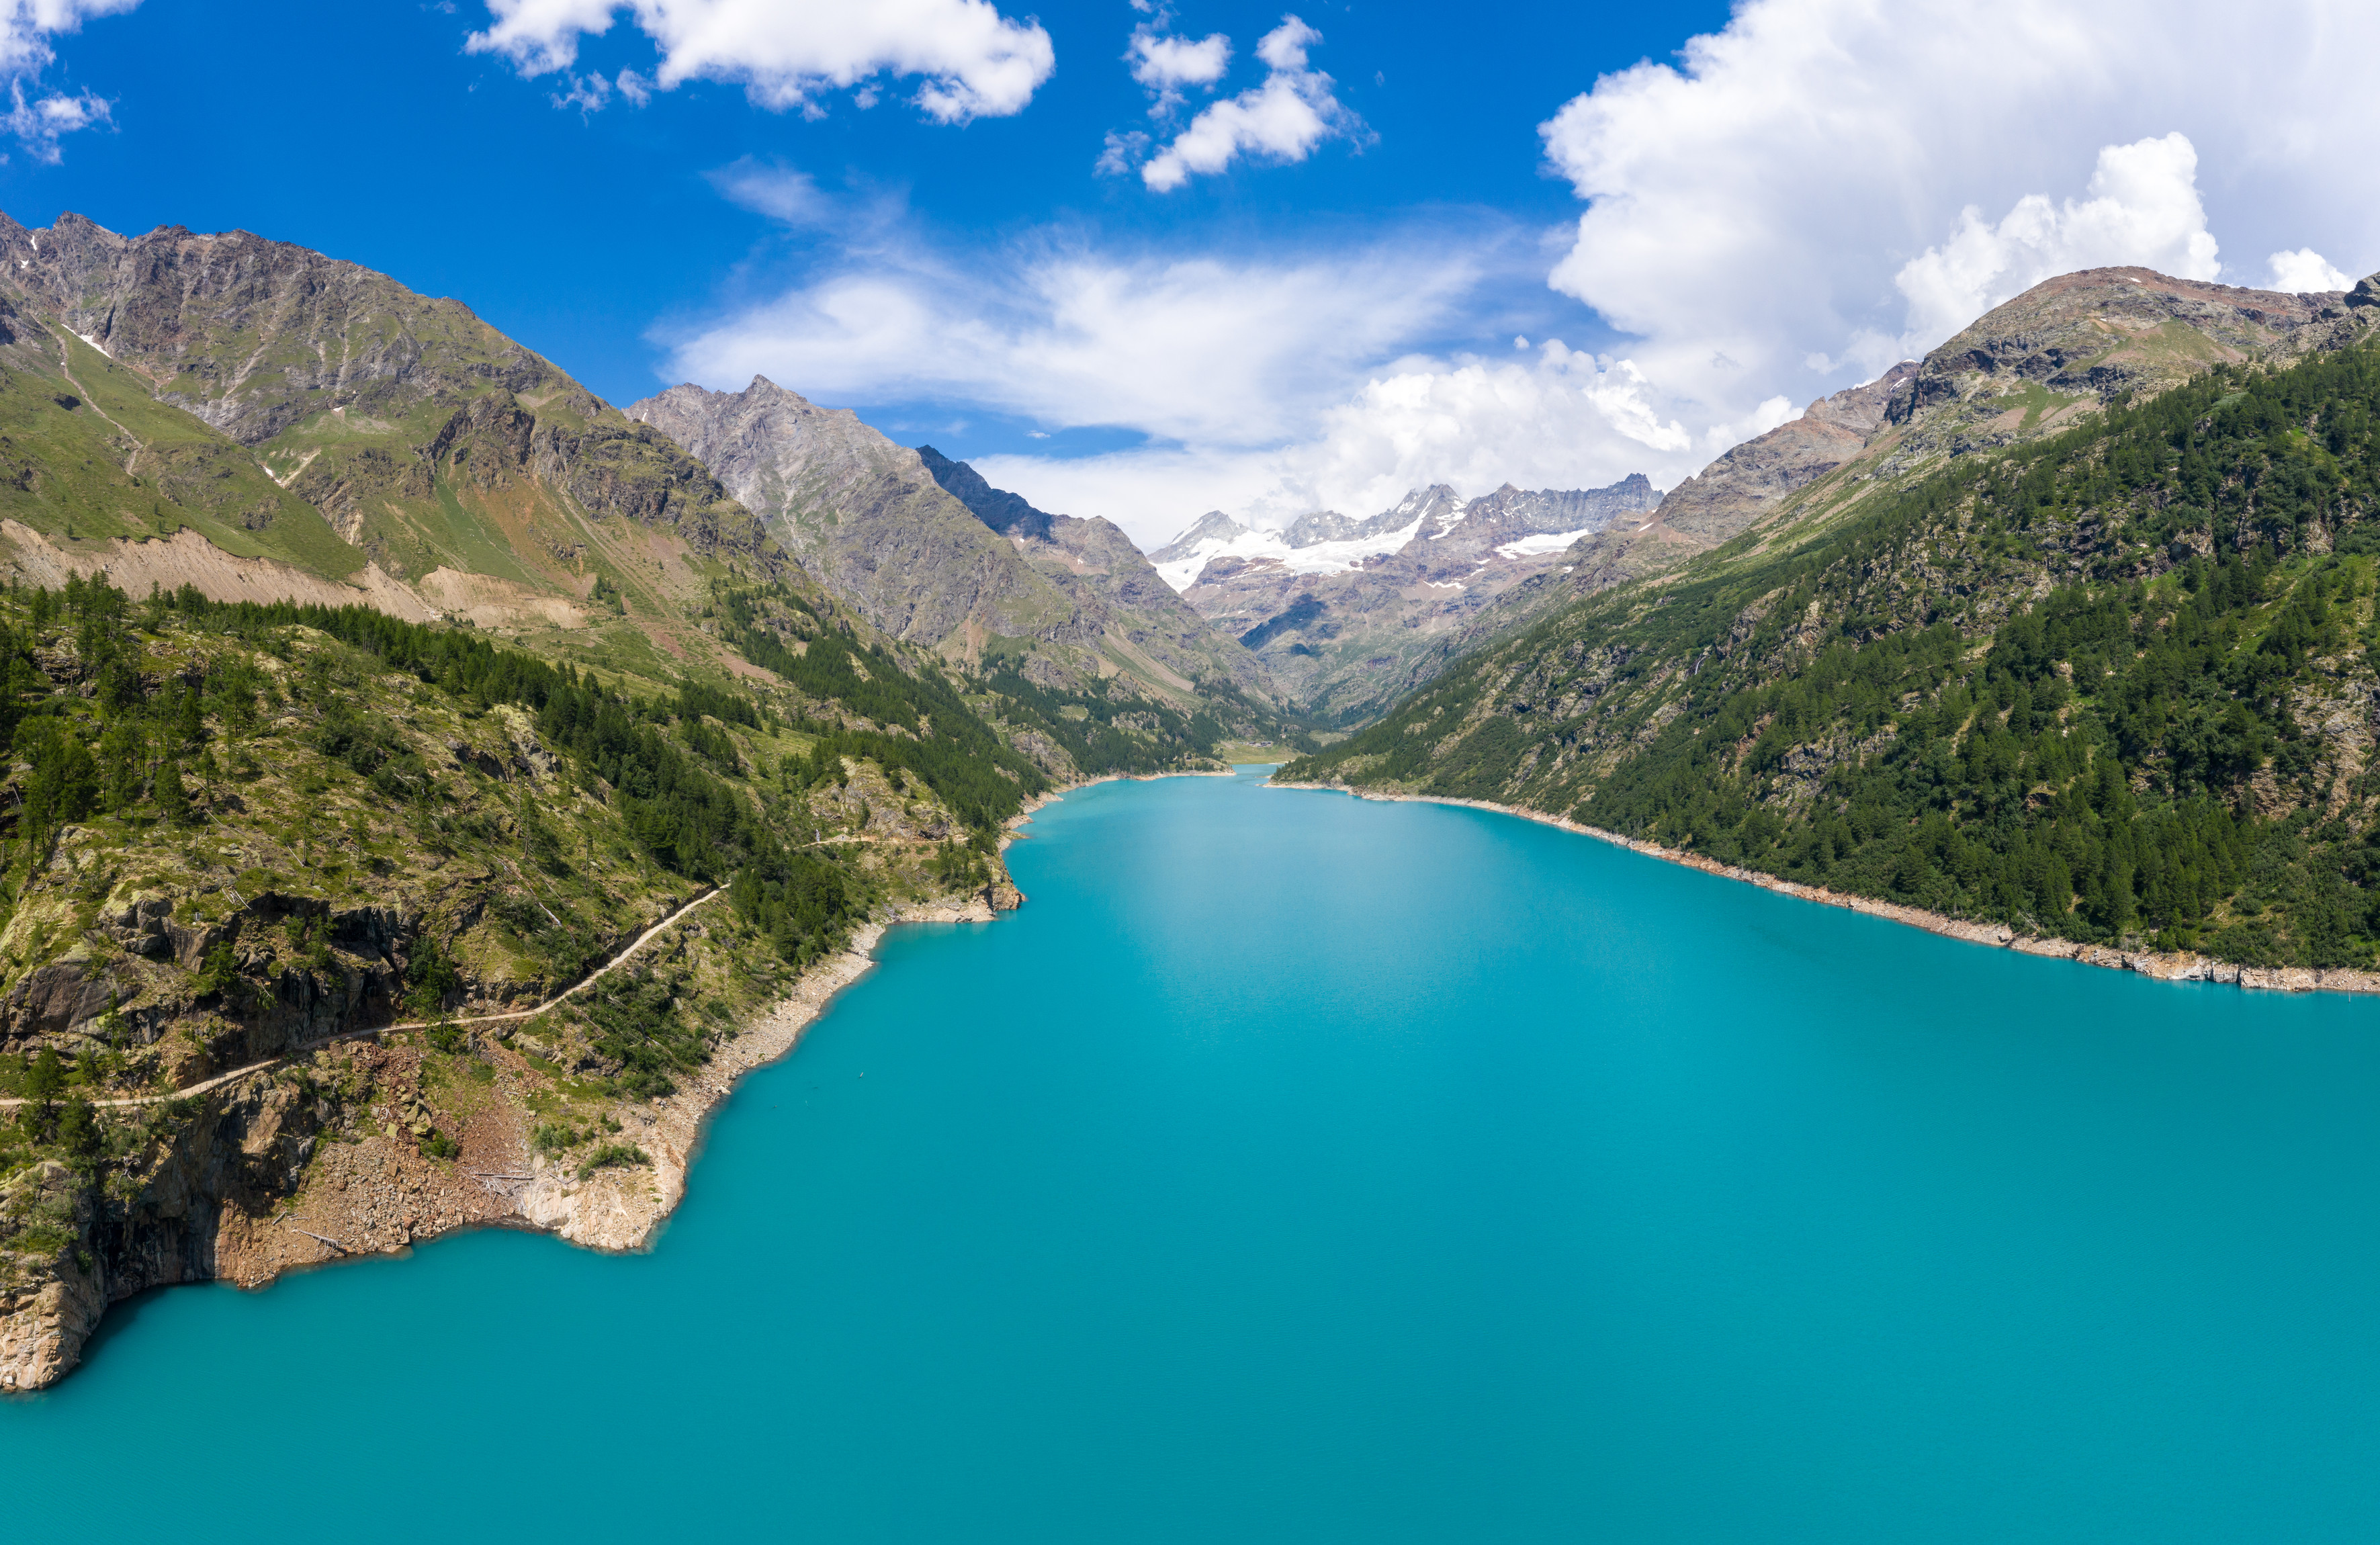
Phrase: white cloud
x=1282 y=119
x=973 y=62
x=2144 y=209
x=1121 y=154
x=1217 y=351
x=26 y=28
x=1789 y=210
x=2306 y=270
x=1166 y=64
x=1826 y=185
x=1560 y=419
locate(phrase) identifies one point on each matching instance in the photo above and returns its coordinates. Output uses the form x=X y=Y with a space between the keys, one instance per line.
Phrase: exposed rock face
x=1731 y=493
x=1009 y=513
x=1347 y=613
x=1214 y=524
x=865 y=517
x=1107 y=576
x=383 y=412
x=874 y=523
x=2091 y=333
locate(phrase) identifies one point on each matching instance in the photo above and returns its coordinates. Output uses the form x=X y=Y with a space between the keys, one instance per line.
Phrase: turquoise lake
x=1295 y=1168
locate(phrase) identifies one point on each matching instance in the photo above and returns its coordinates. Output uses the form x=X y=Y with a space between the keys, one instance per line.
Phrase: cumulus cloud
x=2143 y=208
x=1283 y=119
x=2306 y=270
x=1165 y=64
x=1563 y=418
x=1268 y=385
x=1785 y=210
x=37 y=120
x=1824 y=186
x=972 y=61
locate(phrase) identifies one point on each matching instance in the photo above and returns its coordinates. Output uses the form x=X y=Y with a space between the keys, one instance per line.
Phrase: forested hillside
x=234 y=836
x=2115 y=685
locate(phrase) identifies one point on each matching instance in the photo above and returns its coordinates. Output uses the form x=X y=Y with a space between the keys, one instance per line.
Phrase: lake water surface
x=1298 y=1169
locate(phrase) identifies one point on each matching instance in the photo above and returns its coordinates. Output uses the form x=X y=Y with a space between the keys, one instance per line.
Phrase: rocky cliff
x=246 y=847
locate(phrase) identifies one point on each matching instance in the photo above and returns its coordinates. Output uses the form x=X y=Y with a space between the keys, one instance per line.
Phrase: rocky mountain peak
x=2090 y=335
x=1213 y=524
x=1321 y=526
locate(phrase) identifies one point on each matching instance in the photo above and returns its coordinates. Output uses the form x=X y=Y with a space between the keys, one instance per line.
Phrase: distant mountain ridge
x=1346 y=612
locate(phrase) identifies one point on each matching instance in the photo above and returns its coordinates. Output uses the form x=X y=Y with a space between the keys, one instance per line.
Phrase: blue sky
x=365 y=130
x=1775 y=210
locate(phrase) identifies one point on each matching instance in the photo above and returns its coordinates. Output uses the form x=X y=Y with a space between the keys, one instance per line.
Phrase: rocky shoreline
x=381 y=1194
x=2177 y=966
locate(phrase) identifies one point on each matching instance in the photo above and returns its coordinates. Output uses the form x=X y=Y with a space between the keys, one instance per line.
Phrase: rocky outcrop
x=1734 y=490
x=865 y=517
x=1108 y=579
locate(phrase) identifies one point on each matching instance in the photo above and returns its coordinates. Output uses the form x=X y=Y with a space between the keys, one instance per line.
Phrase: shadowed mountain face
x=1069 y=603
x=1347 y=614
x=1005 y=512
x=1102 y=570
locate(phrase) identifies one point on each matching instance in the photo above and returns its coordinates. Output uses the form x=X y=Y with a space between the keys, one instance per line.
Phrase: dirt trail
x=582 y=985
x=66 y=368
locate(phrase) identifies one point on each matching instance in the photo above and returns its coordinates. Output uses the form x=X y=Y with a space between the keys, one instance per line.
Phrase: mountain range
x=1347 y=614
x=2076 y=644
x=376 y=690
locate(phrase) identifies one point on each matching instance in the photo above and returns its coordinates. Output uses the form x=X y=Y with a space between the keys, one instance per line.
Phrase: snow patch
x=1544 y=541
x=94 y=342
x=1322 y=557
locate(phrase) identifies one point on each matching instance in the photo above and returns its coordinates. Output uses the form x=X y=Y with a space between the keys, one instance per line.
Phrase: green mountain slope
x=2114 y=684
x=238 y=838
x=380 y=428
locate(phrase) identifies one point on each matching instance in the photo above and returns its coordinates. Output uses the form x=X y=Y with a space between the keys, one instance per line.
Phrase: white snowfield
x=1323 y=557
x=1545 y=541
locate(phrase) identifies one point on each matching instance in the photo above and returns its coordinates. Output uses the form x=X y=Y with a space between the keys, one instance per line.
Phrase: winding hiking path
x=582 y=985
x=66 y=368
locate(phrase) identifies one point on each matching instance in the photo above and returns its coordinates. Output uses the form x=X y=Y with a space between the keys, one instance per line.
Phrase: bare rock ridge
x=1009 y=513
x=1214 y=524
x=1070 y=601
x=1104 y=572
x=1723 y=497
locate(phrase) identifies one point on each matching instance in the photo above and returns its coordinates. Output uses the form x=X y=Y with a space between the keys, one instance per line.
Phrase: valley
x=373 y=686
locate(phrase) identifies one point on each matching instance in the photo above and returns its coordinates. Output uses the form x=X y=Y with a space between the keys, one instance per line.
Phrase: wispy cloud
x=40 y=120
